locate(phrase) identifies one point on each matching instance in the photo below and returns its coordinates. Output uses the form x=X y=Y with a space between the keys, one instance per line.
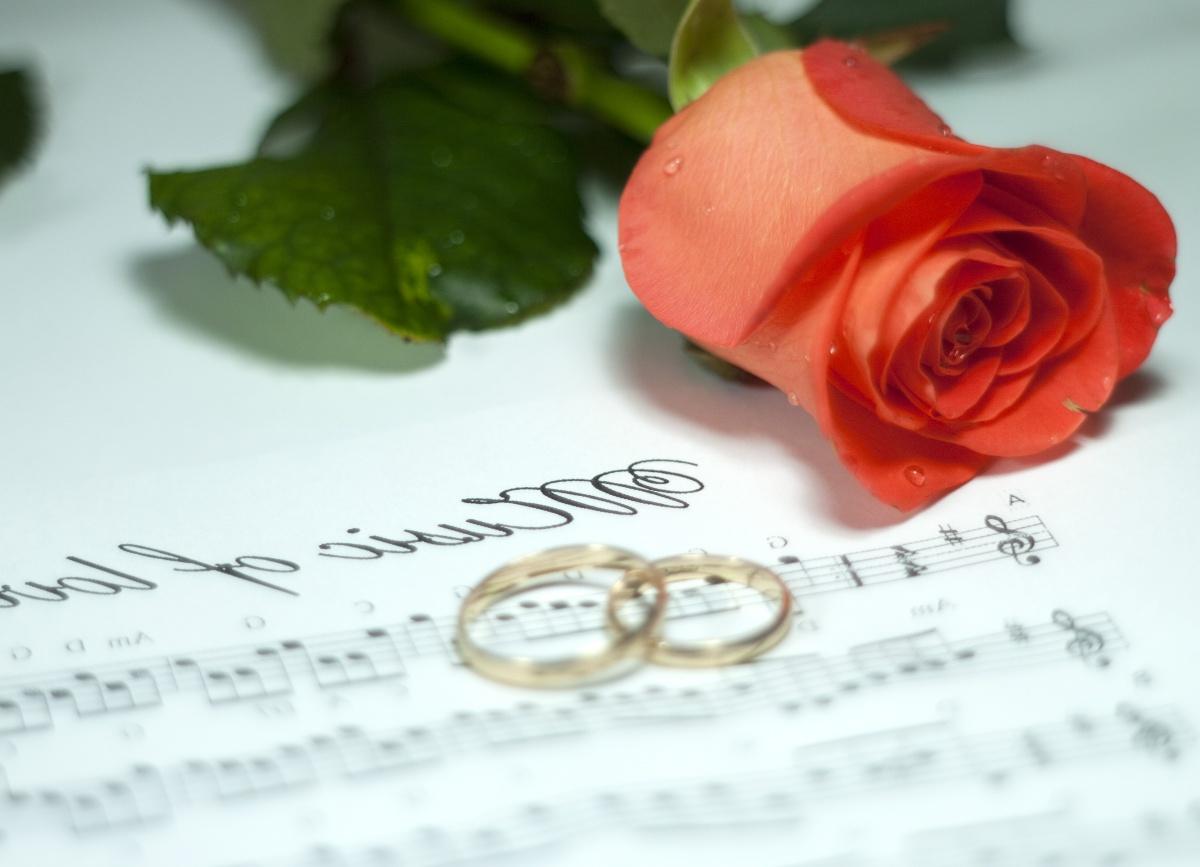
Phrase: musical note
x=333 y=660
x=1085 y=643
x=26 y=711
x=1017 y=632
x=850 y=571
x=1017 y=545
x=906 y=654
x=905 y=558
x=843 y=766
x=1151 y=735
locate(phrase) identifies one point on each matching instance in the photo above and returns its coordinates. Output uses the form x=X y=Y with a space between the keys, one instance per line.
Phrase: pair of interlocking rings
x=627 y=646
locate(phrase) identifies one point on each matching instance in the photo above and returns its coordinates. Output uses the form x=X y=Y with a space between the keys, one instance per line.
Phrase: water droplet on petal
x=945 y=130
x=850 y=60
x=833 y=349
x=621 y=248
x=771 y=344
x=793 y=398
x=915 y=475
x=672 y=166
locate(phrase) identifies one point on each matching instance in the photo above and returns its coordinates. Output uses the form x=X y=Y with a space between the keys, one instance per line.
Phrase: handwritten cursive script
x=552 y=504
x=651 y=483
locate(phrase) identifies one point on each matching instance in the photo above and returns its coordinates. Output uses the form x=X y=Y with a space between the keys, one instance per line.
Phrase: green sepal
x=709 y=42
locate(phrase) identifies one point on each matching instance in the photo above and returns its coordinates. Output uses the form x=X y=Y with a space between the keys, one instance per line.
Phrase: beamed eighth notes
x=654 y=482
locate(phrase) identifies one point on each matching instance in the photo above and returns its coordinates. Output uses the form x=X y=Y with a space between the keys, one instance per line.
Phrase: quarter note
x=1016 y=544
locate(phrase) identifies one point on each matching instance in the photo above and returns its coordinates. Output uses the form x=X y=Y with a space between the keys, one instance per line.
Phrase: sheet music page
x=235 y=536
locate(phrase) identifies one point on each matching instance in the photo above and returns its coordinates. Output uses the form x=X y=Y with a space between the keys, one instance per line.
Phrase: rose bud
x=931 y=302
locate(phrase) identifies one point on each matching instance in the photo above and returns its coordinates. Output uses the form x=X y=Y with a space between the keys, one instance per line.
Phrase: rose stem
x=559 y=69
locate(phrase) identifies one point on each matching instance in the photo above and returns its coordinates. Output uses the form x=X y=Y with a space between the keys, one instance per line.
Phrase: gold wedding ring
x=544 y=568
x=710 y=652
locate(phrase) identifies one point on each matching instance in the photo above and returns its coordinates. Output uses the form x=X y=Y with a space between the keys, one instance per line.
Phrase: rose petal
x=715 y=208
x=1047 y=321
x=956 y=395
x=1049 y=411
x=790 y=351
x=1054 y=187
x=1002 y=394
x=1133 y=234
x=868 y=95
x=896 y=282
x=904 y=469
x=1009 y=308
x=1072 y=269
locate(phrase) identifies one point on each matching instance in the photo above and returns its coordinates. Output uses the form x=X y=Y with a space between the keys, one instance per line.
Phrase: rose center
x=966 y=328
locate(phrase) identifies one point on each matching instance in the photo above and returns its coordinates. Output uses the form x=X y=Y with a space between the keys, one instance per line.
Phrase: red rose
x=933 y=303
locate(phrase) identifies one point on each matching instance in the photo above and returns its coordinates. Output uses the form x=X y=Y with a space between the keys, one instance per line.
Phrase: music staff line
x=920 y=755
x=270 y=669
x=786 y=683
x=899 y=562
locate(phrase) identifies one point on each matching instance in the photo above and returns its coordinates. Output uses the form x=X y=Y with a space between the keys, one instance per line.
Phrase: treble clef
x=1018 y=543
x=1087 y=644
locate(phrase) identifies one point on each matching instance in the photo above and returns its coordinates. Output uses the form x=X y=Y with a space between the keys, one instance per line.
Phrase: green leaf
x=649 y=24
x=18 y=119
x=710 y=41
x=432 y=202
x=969 y=23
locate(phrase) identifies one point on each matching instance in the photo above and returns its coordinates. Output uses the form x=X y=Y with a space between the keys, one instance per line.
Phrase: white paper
x=1005 y=678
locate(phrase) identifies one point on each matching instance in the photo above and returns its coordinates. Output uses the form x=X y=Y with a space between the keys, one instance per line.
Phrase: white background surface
x=148 y=397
